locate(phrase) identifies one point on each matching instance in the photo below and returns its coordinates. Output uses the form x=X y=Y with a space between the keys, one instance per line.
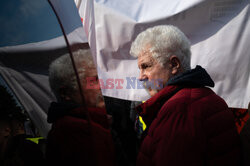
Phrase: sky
x=27 y=21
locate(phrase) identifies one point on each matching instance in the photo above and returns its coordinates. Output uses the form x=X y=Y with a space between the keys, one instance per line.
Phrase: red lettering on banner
x=119 y=81
x=109 y=83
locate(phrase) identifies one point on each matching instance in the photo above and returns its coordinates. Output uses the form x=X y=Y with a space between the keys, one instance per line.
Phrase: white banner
x=219 y=31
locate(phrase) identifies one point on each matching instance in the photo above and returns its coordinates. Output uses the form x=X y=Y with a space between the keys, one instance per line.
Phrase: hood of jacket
x=197 y=77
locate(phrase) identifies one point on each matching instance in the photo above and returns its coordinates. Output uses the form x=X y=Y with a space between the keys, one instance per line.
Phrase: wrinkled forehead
x=146 y=59
x=87 y=71
x=91 y=71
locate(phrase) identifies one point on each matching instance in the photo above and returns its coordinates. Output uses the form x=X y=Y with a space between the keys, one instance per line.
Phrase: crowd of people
x=187 y=123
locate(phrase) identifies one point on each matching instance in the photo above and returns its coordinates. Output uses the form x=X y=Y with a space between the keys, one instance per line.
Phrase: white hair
x=164 y=41
x=62 y=74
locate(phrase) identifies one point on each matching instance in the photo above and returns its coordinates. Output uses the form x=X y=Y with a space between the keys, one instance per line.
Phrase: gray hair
x=164 y=41
x=62 y=74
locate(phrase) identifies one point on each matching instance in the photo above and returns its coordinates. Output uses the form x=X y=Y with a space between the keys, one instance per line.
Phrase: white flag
x=219 y=31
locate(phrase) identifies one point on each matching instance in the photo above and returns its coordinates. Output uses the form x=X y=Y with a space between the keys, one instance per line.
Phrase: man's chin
x=156 y=88
x=100 y=105
x=152 y=92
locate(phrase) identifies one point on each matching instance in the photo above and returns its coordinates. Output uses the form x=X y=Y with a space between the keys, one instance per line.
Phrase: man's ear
x=175 y=64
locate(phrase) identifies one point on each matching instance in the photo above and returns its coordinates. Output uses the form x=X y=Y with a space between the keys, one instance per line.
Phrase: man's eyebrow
x=145 y=64
x=142 y=63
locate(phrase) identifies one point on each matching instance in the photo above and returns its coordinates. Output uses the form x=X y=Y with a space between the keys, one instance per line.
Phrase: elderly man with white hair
x=80 y=133
x=187 y=123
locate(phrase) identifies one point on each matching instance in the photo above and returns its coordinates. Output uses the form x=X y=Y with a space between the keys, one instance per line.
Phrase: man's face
x=152 y=73
x=93 y=96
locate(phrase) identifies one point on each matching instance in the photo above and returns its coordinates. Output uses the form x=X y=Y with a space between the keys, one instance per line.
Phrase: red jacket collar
x=152 y=106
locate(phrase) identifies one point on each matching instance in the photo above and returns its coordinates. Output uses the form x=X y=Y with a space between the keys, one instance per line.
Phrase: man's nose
x=142 y=76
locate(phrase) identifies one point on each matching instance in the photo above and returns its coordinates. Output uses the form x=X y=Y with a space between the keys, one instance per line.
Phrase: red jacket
x=72 y=141
x=190 y=127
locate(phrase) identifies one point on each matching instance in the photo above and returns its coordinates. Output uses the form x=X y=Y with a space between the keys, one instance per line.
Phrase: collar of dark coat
x=59 y=110
x=151 y=107
x=197 y=77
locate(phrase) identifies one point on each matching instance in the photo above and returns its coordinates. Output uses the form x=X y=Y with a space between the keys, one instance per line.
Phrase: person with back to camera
x=76 y=139
x=187 y=123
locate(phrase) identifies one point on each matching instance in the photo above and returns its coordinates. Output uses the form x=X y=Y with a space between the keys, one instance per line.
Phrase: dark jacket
x=74 y=141
x=188 y=124
x=22 y=152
